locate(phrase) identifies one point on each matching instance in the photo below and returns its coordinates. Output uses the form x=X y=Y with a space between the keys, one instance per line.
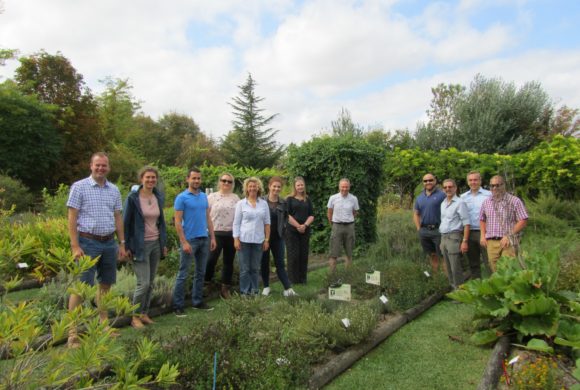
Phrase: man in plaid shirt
x=502 y=218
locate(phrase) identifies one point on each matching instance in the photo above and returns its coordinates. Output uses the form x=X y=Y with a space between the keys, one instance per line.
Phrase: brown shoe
x=73 y=341
x=145 y=319
x=136 y=323
x=225 y=292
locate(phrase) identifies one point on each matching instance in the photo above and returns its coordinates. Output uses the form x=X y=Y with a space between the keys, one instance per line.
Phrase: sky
x=377 y=59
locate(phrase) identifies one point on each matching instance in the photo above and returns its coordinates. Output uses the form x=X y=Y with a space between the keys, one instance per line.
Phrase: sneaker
x=266 y=291
x=179 y=313
x=203 y=306
x=290 y=293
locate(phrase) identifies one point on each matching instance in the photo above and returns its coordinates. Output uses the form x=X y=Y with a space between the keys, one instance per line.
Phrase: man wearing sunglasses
x=427 y=217
x=502 y=218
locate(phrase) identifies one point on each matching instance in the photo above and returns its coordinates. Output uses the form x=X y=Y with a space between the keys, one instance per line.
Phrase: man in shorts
x=342 y=210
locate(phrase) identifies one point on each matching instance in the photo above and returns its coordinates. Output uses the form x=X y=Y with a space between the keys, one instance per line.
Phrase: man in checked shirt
x=502 y=218
x=94 y=215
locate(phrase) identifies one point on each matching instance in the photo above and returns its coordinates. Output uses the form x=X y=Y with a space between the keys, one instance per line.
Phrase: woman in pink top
x=222 y=206
x=146 y=237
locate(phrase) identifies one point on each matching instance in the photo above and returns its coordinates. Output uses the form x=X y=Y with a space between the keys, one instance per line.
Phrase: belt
x=96 y=237
x=453 y=232
x=343 y=223
x=494 y=238
x=431 y=227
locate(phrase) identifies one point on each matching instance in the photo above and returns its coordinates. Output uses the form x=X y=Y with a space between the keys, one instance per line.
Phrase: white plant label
x=514 y=360
x=22 y=265
x=373 y=278
x=384 y=299
x=346 y=322
x=341 y=293
x=427 y=274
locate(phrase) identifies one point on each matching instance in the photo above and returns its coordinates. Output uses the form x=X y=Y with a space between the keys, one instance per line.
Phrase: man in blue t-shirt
x=427 y=217
x=193 y=224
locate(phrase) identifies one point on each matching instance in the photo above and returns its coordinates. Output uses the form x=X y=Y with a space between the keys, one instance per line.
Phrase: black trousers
x=225 y=243
x=298 y=246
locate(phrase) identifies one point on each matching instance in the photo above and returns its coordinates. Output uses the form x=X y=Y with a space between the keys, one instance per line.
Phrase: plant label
x=21 y=265
x=427 y=274
x=373 y=278
x=341 y=293
x=384 y=299
x=346 y=322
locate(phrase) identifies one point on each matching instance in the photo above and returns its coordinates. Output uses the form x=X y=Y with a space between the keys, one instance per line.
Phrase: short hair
x=474 y=173
x=275 y=179
x=146 y=169
x=498 y=177
x=434 y=177
x=99 y=154
x=253 y=179
x=193 y=169
x=345 y=179
x=450 y=181
x=227 y=174
x=296 y=180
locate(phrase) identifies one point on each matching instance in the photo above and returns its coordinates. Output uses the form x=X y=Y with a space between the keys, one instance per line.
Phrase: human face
x=429 y=182
x=274 y=188
x=474 y=181
x=100 y=168
x=252 y=189
x=149 y=180
x=226 y=183
x=344 y=187
x=450 y=189
x=497 y=187
x=194 y=181
x=299 y=186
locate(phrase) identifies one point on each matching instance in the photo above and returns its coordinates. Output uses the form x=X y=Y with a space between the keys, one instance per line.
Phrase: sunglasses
x=428 y=180
x=495 y=185
x=226 y=181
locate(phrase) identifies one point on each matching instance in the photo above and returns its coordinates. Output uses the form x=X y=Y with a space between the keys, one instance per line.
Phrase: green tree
x=117 y=107
x=29 y=141
x=55 y=81
x=344 y=126
x=251 y=143
x=176 y=131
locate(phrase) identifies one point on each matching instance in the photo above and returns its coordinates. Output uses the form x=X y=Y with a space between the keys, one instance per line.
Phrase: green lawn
x=422 y=356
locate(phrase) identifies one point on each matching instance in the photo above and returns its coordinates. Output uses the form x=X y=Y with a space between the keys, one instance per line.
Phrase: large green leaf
x=546 y=324
x=569 y=330
x=461 y=296
x=567 y=343
x=535 y=306
x=484 y=337
x=537 y=345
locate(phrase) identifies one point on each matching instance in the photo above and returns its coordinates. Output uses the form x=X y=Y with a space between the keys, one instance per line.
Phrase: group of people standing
x=484 y=225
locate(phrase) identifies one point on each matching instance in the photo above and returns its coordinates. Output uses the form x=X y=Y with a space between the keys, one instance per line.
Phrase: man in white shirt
x=342 y=210
x=474 y=199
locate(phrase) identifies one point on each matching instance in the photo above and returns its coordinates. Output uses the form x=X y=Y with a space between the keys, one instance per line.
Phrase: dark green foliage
x=323 y=162
x=29 y=141
x=14 y=193
x=54 y=80
x=251 y=143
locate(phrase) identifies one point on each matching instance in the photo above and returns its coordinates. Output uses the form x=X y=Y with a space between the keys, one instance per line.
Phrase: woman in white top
x=222 y=207
x=251 y=234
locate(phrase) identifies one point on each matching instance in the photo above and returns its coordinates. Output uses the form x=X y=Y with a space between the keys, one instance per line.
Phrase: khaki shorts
x=494 y=252
x=342 y=236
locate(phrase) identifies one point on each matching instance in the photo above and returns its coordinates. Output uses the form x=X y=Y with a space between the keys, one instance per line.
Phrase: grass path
x=421 y=355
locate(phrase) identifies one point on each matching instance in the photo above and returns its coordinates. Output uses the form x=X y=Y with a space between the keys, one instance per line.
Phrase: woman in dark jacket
x=300 y=217
x=278 y=218
x=146 y=238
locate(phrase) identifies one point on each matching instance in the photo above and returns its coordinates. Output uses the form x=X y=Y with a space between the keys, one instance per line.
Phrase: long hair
x=294 y=192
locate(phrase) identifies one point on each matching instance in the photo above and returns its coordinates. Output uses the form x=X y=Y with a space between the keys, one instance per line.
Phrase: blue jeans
x=277 y=248
x=106 y=267
x=249 y=256
x=199 y=251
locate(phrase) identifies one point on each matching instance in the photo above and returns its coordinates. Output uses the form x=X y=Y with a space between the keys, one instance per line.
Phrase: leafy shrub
x=54 y=205
x=13 y=192
x=569 y=276
x=322 y=162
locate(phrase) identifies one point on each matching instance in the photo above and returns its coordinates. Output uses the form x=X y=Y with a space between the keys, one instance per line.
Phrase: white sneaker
x=290 y=293
x=266 y=291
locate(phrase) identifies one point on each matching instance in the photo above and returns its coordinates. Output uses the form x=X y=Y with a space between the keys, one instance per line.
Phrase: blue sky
x=378 y=59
